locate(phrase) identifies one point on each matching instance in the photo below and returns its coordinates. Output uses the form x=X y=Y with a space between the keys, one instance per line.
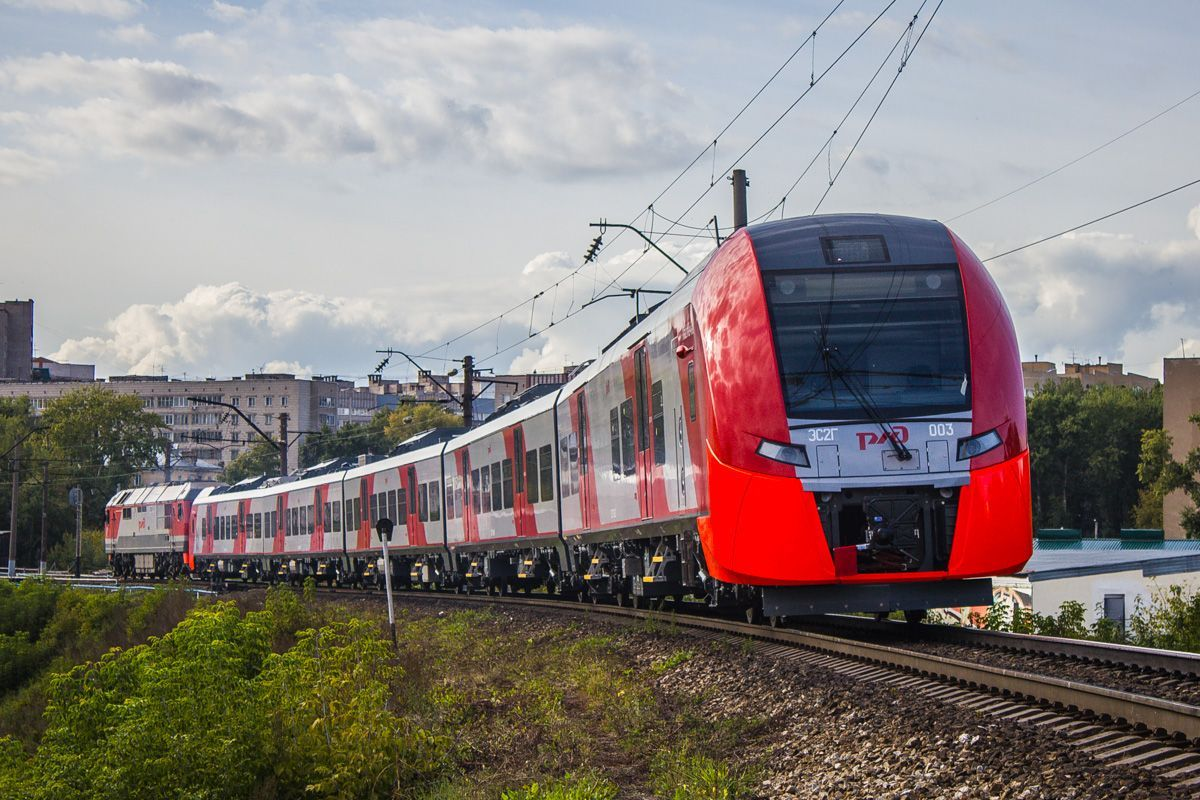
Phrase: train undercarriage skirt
x=784 y=601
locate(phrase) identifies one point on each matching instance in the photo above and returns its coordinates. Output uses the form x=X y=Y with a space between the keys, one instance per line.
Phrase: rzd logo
x=869 y=438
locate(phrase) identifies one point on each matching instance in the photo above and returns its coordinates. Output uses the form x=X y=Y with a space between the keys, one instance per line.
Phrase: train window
x=531 y=474
x=303 y=529
x=692 y=391
x=546 y=472
x=258 y=526
x=518 y=454
x=573 y=461
x=336 y=517
x=614 y=433
x=497 y=488
x=656 y=419
x=627 y=454
x=327 y=517
x=374 y=502
x=401 y=507
x=126 y=513
x=434 y=494
x=506 y=469
x=449 y=498
x=897 y=339
x=458 y=496
x=311 y=521
x=423 y=502
x=391 y=505
x=485 y=489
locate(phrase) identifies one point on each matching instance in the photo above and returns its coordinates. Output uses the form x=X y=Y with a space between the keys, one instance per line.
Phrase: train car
x=826 y=415
x=146 y=530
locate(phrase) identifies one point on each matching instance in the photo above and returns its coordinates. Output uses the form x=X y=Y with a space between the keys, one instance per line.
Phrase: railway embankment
x=282 y=693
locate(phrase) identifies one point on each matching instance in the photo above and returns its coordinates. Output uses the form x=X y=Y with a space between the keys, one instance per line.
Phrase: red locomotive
x=827 y=414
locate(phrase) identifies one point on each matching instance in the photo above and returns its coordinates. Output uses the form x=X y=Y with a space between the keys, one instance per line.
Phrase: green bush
x=682 y=774
x=571 y=787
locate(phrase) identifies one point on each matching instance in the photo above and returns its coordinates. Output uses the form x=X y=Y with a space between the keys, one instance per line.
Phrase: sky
x=215 y=188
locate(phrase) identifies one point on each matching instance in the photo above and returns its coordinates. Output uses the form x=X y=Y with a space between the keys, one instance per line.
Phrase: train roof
x=802 y=241
x=156 y=493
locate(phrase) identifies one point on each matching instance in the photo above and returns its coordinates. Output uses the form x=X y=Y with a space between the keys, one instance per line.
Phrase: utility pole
x=76 y=495
x=283 y=445
x=12 y=517
x=45 y=501
x=468 y=401
x=739 y=198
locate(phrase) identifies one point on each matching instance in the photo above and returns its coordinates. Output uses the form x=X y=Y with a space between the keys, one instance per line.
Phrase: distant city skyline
x=216 y=187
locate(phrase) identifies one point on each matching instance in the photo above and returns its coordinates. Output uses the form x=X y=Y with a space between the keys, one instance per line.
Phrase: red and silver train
x=827 y=414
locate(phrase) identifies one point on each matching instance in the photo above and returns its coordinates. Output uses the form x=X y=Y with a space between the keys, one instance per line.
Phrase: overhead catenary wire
x=908 y=54
x=670 y=185
x=1077 y=159
x=1081 y=225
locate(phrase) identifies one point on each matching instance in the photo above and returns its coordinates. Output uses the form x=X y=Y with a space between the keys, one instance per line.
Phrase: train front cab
x=866 y=420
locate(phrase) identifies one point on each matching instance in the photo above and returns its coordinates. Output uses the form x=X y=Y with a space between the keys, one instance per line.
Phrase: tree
x=1161 y=474
x=261 y=458
x=405 y=421
x=1155 y=456
x=1085 y=446
x=348 y=441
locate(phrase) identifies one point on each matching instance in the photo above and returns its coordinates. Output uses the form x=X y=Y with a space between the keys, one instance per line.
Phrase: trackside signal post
x=384 y=528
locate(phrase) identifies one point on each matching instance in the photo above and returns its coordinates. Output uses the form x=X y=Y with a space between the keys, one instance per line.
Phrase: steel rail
x=1173 y=662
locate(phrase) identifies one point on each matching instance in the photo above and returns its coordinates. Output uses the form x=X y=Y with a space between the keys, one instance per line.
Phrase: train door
x=586 y=487
x=645 y=453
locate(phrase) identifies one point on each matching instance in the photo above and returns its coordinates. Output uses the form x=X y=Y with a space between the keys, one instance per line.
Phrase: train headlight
x=978 y=445
x=794 y=454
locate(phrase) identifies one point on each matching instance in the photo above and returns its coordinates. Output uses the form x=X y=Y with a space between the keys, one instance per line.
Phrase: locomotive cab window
x=853 y=342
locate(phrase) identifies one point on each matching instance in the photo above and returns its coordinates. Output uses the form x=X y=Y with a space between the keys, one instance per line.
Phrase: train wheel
x=914 y=616
x=754 y=615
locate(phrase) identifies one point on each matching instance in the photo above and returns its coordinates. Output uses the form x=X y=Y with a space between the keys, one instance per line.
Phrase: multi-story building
x=491 y=391
x=1038 y=373
x=45 y=369
x=16 y=339
x=215 y=434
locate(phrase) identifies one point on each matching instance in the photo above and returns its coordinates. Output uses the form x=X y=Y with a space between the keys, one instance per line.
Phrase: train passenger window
x=506 y=471
x=336 y=517
x=303 y=529
x=391 y=505
x=497 y=488
x=485 y=489
x=627 y=454
x=573 y=462
x=546 y=472
x=458 y=496
x=311 y=521
x=657 y=423
x=692 y=391
x=327 y=517
x=401 y=507
x=127 y=513
x=518 y=454
x=423 y=502
x=374 y=504
x=531 y=474
x=258 y=526
x=449 y=498
x=435 y=493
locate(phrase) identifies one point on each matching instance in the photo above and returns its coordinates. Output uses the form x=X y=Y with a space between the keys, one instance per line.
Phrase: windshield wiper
x=833 y=367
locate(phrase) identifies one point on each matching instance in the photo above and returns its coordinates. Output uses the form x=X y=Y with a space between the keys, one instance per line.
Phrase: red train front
x=865 y=418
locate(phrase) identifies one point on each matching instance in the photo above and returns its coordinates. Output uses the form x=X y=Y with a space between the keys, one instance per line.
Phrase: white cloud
x=227 y=12
x=463 y=93
x=113 y=9
x=1104 y=295
x=17 y=168
x=131 y=34
x=1194 y=221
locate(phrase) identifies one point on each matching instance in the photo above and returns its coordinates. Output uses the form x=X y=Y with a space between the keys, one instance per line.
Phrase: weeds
x=682 y=774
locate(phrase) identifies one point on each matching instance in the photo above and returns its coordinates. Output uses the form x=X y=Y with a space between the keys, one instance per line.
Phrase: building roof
x=1058 y=559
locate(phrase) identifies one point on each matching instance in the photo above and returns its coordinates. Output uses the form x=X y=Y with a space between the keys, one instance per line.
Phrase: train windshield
x=855 y=343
